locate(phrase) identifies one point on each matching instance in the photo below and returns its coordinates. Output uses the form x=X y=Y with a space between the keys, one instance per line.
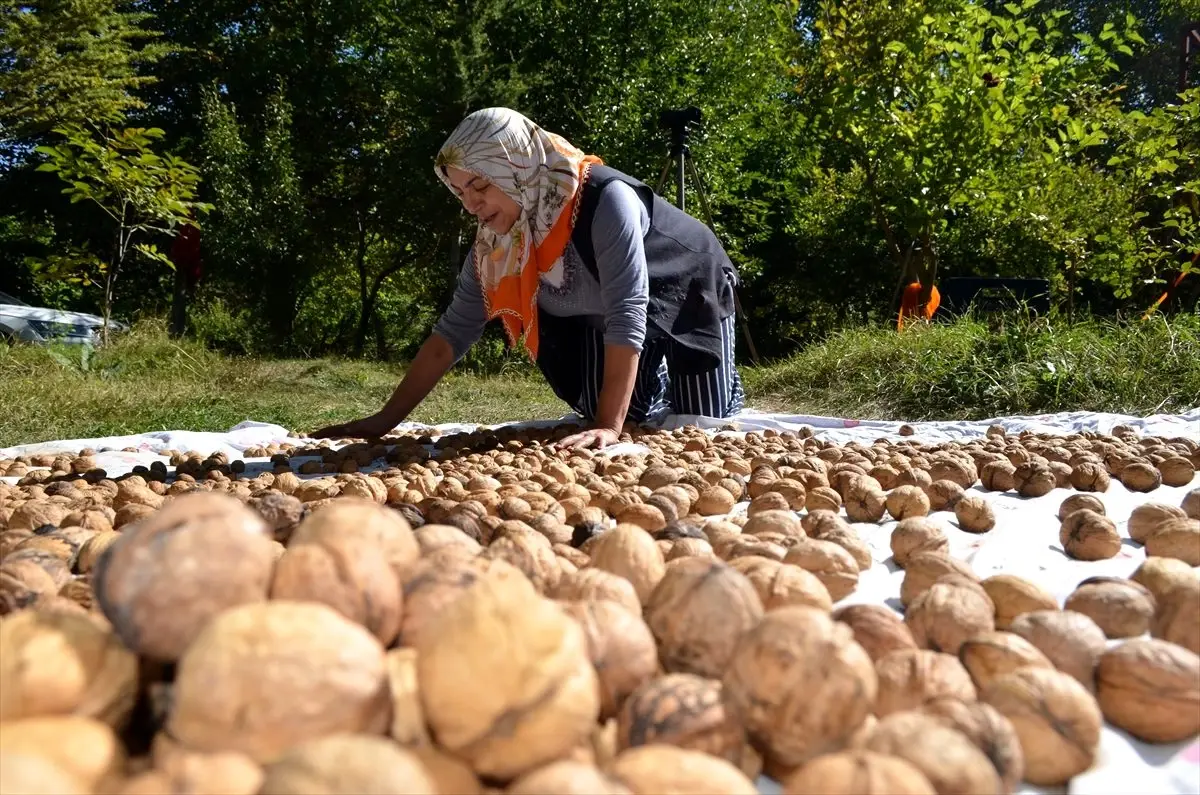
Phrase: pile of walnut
x=500 y=615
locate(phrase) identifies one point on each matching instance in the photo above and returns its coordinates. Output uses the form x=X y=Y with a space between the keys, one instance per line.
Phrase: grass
x=969 y=369
x=974 y=369
x=148 y=382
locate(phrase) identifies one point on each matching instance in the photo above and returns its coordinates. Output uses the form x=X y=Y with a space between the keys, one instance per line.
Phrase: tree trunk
x=365 y=296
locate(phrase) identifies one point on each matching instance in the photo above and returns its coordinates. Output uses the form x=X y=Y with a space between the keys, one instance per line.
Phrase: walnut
x=800 y=684
x=347 y=763
x=1087 y=535
x=687 y=711
x=950 y=761
x=1162 y=575
x=767 y=501
x=945 y=616
x=832 y=564
x=909 y=678
x=1140 y=477
x=57 y=663
x=1178 y=538
x=1071 y=641
x=668 y=768
x=974 y=514
x=698 y=611
x=628 y=551
x=782 y=584
x=924 y=569
x=1151 y=689
x=1090 y=476
x=505 y=656
x=907 y=501
x=782 y=522
x=944 y=495
x=1121 y=608
x=263 y=677
x=858 y=773
x=913 y=536
x=168 y=575
x=878 y=629
x=564 y=777
x=1147 y=517
x=817 y=523
x=1191 y=504
x=1014 y=596
x=823 y=498
x=1076 y=502
x=620 y=646
x=990 y=731
x=1175 y=619
x=1034 y=480
x=992 y=654
x=715 y=501
x=865 y=501
x=1055 y=717
x=1176 y=471
x=997 y=475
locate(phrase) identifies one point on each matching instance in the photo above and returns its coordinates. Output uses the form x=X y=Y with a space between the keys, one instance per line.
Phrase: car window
x=5 y=298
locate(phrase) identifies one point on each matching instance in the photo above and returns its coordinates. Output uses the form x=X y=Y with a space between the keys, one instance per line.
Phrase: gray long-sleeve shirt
x=615 y=303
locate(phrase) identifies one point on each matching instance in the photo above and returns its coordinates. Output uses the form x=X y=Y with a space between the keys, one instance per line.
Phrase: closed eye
x=474 y=186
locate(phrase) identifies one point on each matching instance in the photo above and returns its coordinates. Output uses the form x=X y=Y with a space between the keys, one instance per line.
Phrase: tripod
x=680 y=157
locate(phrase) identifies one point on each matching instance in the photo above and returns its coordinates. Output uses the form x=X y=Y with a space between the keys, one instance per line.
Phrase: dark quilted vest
x=688 y=269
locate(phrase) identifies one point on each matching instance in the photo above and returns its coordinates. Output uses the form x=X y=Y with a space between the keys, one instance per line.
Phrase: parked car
x=20 y=322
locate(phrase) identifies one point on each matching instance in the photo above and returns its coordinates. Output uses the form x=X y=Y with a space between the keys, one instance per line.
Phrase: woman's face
x=484 y=200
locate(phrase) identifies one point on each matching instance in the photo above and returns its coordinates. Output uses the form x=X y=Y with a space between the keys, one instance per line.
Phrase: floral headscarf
x=540 y=171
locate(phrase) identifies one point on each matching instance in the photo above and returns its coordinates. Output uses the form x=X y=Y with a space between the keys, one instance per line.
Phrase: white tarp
x=1024 y=541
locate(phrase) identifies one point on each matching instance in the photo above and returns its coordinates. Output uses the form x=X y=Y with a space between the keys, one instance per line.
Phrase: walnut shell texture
x=946 y=616
x=687 y=711
x=698 y=611
x=800 y=684
x=1070 y=640
x=172 y=572
x=1055 y=717
x=950 y=761
x=1014 y=596
x=652 y=769
x=878 y=629
x=621 y=648
x=1121 y=608
x=909 y=678
x=537 y=694
x=55 y=663
x=858 y=773
x=1151 y=689
x=993 y=654
x=990 y=731
x=347 y=763
x=263 y=677
x=1087 y=535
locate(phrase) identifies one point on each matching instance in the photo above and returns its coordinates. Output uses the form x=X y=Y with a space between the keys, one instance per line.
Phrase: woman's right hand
x=372 y=427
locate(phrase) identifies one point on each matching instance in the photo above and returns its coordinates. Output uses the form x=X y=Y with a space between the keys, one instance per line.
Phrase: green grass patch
x=972 y=369
x=977 y=369
x=145 y=381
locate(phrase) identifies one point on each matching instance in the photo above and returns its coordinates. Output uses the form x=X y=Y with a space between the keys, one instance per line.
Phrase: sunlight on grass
x=146 y=381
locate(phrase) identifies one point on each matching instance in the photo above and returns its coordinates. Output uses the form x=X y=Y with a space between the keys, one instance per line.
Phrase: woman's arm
x=618 y=229
x=455 y=332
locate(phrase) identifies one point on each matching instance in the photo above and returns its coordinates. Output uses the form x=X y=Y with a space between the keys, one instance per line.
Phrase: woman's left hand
x=592 y=437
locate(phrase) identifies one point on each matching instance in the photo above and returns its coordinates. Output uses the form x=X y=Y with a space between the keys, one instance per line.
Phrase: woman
x=624 y=301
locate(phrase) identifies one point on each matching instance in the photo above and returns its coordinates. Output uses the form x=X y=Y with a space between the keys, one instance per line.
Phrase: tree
x=70 y=62
x=946 y=98
x=141 y=193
